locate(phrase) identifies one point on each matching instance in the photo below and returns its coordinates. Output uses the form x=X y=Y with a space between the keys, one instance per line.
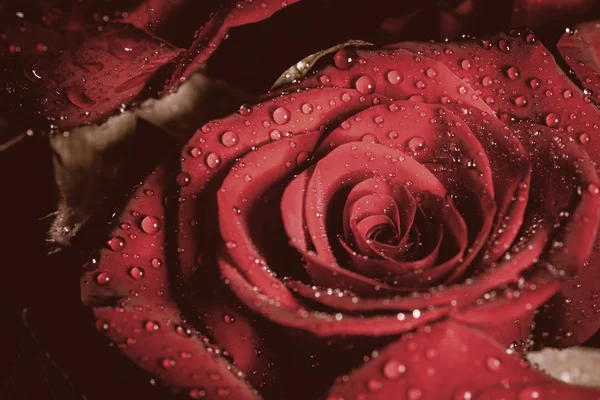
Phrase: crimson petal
x=416 y=366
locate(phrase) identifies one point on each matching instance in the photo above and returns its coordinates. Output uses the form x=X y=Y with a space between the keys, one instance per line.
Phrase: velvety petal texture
x=425 y=199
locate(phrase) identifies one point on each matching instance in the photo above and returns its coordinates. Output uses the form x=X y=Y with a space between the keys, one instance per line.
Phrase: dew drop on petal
x=103 y=278
x=150 y=225
x=520 y=101
x=513 y=73
x=584 y=138
x=167 y=362
x=195 y=152
x=151 y=326
x=229 y=139
x=534 y=83
x=552 y=120
x=307 y=108
x=504 y=46
x=156 y=263
x=394 y=77
x=392 y=369
x=487 y=81
x=183 y=179
x=213 y=160
x=593 y=189
x=369 y=138
x=414 y=393
x=136 y=273
x=345 y=58
x=416 y=143
x=197 y=393
x=324 y=79
x=281 y=115
x=245 y=109
x=365 y=85
x=116 y=243
x=530 y=393
x=493 y=363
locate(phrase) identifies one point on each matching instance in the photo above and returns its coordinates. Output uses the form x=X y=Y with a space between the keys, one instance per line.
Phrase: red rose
x=421 y=199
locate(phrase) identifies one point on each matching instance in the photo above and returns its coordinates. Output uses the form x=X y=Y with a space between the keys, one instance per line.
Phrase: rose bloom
x=402 y=223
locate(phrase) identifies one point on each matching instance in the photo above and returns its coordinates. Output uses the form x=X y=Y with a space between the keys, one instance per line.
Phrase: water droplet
x=213 y=160
x=156 y=263
x=369 y=138
x=346 y=97
x=223 y=391
x=504 y=46
x=374 y=385
x=124 y=51
x=520 y=101
x=136 y=273
x=324 y=79
x=394 y=77
x=534 y=83
x=530 y=38
x=552 y=120
x=567 y=94
x=197 y=393
x=302 y=158
x=593 y=189
x=462 y=90
x=465 y=64
x=365 y=85
x=151 y=326
x=420 y=84
x=493 y=363
x=463 y=394
x=307 y=108
x=345 y=58
x=116 y=243
x=245 y=109
x=393 y=135
x=103 y=278
x=431 y=73
x=584 y=138
x=76 y=95
x=416 y=144
x=392 y=369
x=229 y=139
x=513 y=73
x=414 y=393
x=487 y=81
x=150 y=225
x=530 y=393
x=167 y=362
x=195 y=152
x=183 y=179
x=281 y=116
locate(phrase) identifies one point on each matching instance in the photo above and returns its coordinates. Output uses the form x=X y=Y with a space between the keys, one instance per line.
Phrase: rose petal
x=214 y=148
x=229 y=15
x=243 y=186
x=161 y=344
x=401 y=74
x=322 y=324
x=513 y=309
x=416 y=366
x=77 y=82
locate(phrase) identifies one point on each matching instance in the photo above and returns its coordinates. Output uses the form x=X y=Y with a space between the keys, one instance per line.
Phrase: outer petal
x=229 y=15
x=424 y=365
x=580 y=48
